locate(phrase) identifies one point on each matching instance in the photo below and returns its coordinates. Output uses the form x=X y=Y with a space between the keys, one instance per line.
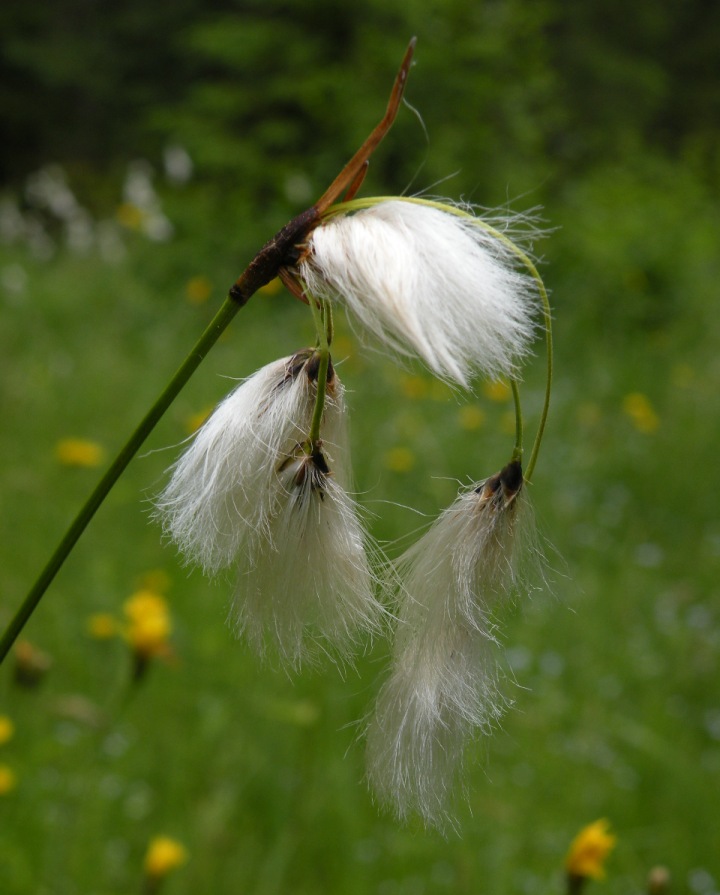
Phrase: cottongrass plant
x=309 y=582
x=226 y=483
x=427 y=281
x=263 y=488
x=442 y=686
x=255 y=491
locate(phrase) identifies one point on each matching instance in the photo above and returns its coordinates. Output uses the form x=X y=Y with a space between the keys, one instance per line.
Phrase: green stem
x=547 y=320
x=80 y=523
x=329 y=326
x=518 y=449
x=323 y=325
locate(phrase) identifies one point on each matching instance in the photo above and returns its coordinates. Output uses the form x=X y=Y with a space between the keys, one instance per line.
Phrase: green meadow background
x=148 y=151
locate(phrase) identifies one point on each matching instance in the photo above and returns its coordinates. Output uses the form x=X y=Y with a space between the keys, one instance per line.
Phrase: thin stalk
x=323 y=326
x=206 y=341
x=523 y=258
x=329 y=325
x=518 y=449
x=547 y=315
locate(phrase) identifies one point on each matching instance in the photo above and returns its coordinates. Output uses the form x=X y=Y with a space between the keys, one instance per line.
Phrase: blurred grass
x=614 y=672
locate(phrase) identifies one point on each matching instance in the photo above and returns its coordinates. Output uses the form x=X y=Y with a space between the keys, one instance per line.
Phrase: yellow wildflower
x=7 y=729
x=102 y=626
x=8 y=780
x=163 y=855
x=130 y=216
x=149 y=635
x=143 y=603
x=149 y=623
x=589 y=849
x=471 y=417
x=146 y=627
x=198 y=290
x=400 y=459
x=497 y=391
x=31 y=664
x=414 y=387
x=78 y=452
x=641 y=413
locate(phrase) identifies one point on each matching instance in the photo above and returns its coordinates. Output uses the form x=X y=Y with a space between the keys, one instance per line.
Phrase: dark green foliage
x=251 y=88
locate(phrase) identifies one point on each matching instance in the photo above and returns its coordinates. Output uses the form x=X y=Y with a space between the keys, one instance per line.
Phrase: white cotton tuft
x=442 y=687
x=427 y=282
x=307 y=583
x=247 y=492
x=225 y=481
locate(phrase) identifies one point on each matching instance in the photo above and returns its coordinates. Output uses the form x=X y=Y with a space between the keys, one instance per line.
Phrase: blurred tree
x=286 y=100
x=651 y=77
x=251 y=87
x=77 y=76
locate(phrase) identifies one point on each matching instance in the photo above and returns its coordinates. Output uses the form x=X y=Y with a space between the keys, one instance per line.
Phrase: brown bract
x=281 y=250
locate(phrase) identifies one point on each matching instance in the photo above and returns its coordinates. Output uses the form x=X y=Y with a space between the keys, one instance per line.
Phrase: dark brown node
x=512 y=478
x=312 y=368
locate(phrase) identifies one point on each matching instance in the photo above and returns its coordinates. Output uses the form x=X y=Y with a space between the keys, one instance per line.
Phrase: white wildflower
x=225 y=482
x=427 y=281
x=443 y=681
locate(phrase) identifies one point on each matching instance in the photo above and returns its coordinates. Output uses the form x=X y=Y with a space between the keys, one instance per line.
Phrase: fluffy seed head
x=248 y=492
x=426 y=282
x=443 y=682
x=307 y=581
x=226 y=479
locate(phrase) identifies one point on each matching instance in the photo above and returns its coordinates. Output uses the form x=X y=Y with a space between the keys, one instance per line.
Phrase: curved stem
x=213 y=332
x=547 y=315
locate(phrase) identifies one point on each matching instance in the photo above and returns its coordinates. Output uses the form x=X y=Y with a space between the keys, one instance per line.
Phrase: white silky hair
x=443 y=683
x=246 y=493
x=307 y=585
x=225 y=481
x=427 y=282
